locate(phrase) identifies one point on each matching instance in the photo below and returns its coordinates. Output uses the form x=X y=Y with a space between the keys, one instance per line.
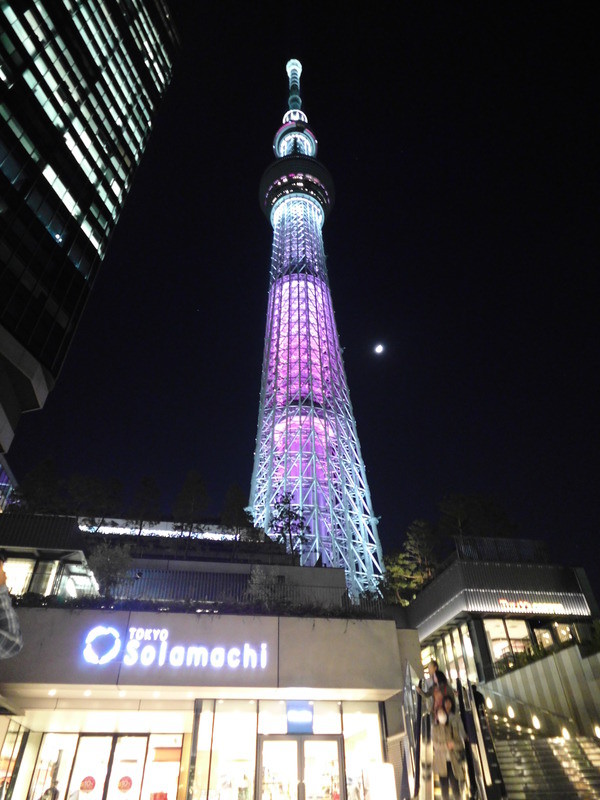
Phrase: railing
x=411 y=709
x=483 y=779
x=255 y=592
x=483 y=771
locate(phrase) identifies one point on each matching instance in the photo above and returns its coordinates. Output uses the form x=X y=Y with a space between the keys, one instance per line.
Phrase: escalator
x=513 y=751
x=483 y=777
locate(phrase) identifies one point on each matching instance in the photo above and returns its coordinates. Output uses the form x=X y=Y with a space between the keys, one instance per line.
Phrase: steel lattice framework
x=307 y=447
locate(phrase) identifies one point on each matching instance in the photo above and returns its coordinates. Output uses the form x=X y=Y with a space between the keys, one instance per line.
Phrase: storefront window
x=11 y=748
x=272 y=716
x=497 y=639
x=18 y=574
x=161 y=775
x=452 y=673
x=427 y=655
x=53 y=765
x=564 y=632
x=518 y=634
x=155 y=758
x=362 y=740
x=440 y=657
x=233 y=750
x=458 y=655
x=202 y=759
x=544 y=638
x=128 y=767
x=468 y=651
x=327 y=717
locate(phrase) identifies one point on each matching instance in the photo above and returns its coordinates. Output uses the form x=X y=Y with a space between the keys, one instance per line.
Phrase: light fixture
x=536 y=723
x=51 y=692
x=597 y=731
x=87 y=693
x=511 y=712
x=488 y=702
x=565 y=734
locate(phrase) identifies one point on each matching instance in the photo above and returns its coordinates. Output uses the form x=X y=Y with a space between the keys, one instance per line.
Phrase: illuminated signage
x=527 y=607
x=299 y=716
x=149 y=647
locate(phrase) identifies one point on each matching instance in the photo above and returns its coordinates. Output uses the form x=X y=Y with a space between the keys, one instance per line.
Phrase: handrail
x=487 y=782
x=467 y=719
x=412 y=724
x=426 y=788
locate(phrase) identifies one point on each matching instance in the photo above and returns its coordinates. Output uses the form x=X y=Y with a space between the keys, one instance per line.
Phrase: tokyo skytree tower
x=307 y=447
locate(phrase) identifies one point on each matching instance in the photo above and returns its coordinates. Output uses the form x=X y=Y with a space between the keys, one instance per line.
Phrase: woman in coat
x=448 y=737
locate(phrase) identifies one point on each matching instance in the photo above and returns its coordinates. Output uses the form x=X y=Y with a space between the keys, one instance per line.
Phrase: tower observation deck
x=307 y=448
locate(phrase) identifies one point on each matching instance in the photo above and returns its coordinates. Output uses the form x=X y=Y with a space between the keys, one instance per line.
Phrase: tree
x=408 y=570
x=95 y=499
x=413 y=566
x=474 y=515
x=145 y=506
x=234 y=514
x=41 y=491
x=190 y=505
x=287 y=524
x=110 y=564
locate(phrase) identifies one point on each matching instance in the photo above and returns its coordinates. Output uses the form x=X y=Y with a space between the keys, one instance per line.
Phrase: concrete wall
x=353 y=658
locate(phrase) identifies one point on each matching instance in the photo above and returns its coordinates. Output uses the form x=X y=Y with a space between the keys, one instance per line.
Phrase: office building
x=81 y=83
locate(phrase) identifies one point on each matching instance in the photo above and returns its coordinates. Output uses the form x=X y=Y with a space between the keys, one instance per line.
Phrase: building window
x=564 y=632
x=362 y=744
x=544 y=638
x=509 y=642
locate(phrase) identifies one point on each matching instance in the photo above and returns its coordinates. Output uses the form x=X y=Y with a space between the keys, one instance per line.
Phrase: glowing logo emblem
x=105 y=655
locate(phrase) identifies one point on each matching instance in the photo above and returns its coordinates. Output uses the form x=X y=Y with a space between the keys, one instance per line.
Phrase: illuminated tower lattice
x=307 y=446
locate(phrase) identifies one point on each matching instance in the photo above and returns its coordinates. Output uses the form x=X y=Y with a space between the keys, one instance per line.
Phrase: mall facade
x=196 y=688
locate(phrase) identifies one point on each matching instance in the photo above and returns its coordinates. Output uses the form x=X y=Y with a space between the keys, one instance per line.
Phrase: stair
x=537 y=768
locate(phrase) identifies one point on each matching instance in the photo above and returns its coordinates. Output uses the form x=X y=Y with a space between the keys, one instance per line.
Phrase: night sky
x=463 y=142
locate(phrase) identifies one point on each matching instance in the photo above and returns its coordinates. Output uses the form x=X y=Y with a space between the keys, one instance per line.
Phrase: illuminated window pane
x=497 y=638
x=327 y=717
x=468 y=650
x=544 y=638
x=18 y=574
x=519 y=635
x=564 y=632
x=205 y=726
x=161 y=775
x=233 y=750
x=362 y=742
x=54 y=762
x=272 y=716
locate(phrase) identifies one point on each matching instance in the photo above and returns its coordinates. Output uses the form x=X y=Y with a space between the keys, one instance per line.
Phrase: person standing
x=448 y=737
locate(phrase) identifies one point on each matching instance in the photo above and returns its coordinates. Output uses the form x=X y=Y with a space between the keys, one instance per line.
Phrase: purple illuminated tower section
x=307 y=446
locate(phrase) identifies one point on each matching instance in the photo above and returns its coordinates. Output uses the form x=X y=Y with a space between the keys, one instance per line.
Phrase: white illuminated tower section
x=307 y=446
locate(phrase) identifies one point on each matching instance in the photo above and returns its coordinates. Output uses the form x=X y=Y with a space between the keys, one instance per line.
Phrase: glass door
x=279 y=769
x=299 y=768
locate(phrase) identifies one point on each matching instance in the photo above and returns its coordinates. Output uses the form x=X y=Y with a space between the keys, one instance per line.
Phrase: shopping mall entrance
x=107 y=767
x=299 y=767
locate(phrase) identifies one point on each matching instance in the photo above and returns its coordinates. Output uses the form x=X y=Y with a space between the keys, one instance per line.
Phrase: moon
x=379 y=349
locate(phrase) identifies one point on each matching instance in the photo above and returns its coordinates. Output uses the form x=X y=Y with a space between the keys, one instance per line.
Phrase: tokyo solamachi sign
x=152 y=647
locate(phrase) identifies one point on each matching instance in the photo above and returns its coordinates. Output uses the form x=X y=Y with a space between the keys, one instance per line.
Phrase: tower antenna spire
x=307 y=451
x=294 y=70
